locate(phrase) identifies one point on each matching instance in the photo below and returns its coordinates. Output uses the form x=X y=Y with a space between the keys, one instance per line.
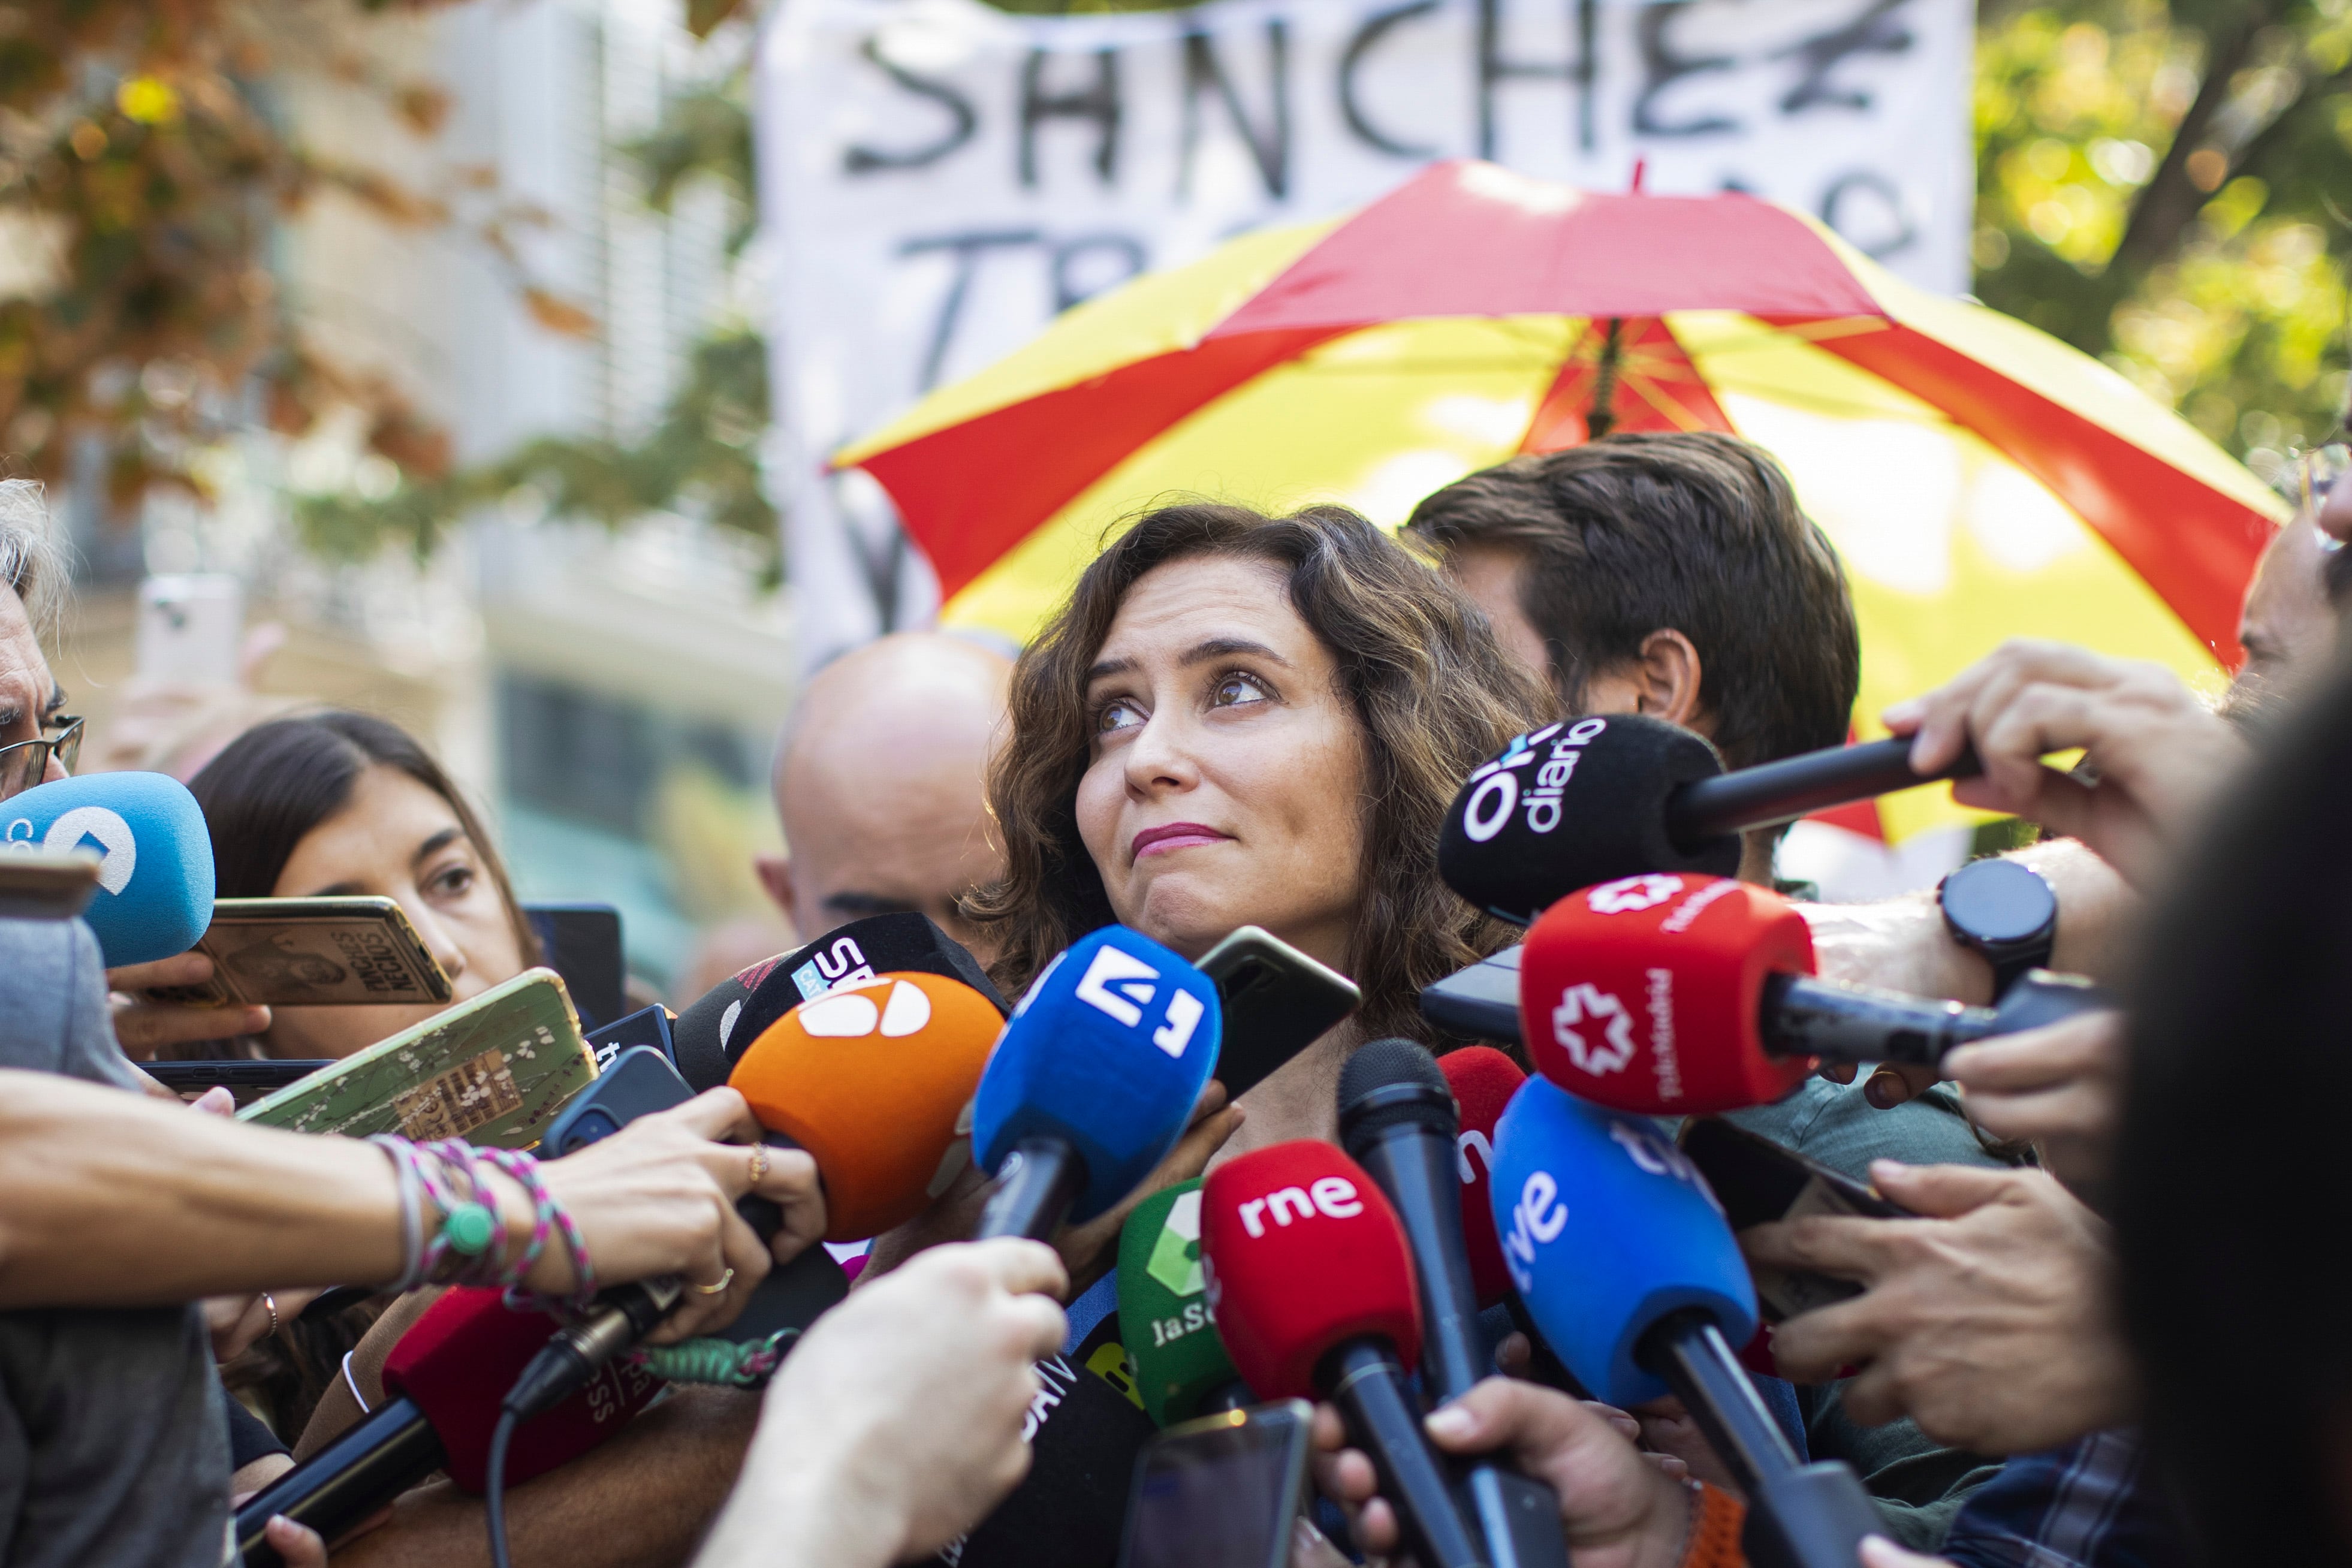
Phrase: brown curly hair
x=1433 y=691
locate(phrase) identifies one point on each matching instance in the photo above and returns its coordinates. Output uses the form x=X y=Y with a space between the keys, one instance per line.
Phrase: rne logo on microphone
x=1498 y=793
x=1587 y=1004
x=1473 y=1172
x=1630 y=894
x=1122 y=985
x=1335 y=1196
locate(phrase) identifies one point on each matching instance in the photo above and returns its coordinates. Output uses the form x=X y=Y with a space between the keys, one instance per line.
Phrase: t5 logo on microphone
x=1600 y=1013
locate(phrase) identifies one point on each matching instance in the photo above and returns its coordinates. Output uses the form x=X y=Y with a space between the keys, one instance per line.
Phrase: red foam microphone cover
x=1301 y=1251
x=1643 y=994
x=1483 y=1080
x=873 y=1080
x=459 y=1362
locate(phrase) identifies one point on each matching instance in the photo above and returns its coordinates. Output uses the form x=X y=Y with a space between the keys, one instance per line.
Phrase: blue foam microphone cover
x=1606 y=1228
x=154 y=894
x=1108 y=1051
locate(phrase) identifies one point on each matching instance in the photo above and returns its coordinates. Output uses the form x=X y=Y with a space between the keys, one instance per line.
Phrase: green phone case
x=494 y=1071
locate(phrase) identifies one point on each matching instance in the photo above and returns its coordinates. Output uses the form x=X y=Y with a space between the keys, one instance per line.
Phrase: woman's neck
x=1299 y=1099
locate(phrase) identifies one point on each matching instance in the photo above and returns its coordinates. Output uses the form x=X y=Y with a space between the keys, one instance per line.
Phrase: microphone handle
x=366 y=1467
x=1804 y=1017
x=1783 y=791
x=1367 y=1383
x=1799 y=1515
x=1035 y=1189
x=1412 y=1162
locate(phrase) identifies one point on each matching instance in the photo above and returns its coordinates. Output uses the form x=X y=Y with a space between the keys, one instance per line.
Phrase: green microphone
x=1181 y=1366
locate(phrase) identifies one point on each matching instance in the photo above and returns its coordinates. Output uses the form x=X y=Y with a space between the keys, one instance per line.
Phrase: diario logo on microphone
x=1499 y=791
x=1585 y=1012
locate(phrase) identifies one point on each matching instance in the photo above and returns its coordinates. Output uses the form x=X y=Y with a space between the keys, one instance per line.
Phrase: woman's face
x=1227 y=782
x=397 y=839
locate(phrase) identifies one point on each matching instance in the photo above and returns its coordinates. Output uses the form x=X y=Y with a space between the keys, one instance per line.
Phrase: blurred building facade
x=610 y=696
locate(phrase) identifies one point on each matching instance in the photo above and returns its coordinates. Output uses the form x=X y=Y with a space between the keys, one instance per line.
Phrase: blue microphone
x=1093 y=1081
x=1628 y=1267
x=154 y=894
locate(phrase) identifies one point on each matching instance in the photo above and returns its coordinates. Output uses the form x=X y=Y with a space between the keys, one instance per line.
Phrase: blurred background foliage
x=2156 y=184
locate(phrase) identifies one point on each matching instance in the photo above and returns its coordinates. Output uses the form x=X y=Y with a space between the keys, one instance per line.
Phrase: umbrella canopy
x=1980 y=479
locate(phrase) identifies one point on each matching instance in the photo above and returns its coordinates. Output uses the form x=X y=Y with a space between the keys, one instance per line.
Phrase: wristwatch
x=2005 y=911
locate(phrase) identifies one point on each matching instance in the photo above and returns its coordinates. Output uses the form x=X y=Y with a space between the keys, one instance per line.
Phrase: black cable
x=494 y=1488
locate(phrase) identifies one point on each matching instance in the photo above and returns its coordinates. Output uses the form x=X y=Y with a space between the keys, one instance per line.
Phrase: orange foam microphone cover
x=1646 y=994
x=873 y=1079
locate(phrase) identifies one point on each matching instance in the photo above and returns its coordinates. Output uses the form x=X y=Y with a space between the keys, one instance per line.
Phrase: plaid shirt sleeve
x=2090 y=1504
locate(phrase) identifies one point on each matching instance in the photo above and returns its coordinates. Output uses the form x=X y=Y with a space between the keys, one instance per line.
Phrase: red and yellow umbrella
x=1980 y=479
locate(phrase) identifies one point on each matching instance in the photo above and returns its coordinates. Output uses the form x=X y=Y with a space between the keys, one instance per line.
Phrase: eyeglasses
x=26 y=763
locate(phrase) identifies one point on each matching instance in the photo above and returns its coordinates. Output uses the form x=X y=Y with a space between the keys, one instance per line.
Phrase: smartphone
x=34 y=885
x=648 y=1027
x=1221 y=1491
x=1480 y=1003
x=640 y=1082
x=1276 y=1001
x=583 y=943
x=495 y=1069
x=312 y=953
x=1757 y=1181
x=191 y=629
x=247 y=1081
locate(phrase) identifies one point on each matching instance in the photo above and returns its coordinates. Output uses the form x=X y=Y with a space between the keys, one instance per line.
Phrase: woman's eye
x=1236 y=689
x=457 y=879
x=1117 y=715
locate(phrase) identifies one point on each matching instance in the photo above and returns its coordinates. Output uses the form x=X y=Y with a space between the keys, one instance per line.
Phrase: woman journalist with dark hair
x=1246 y=720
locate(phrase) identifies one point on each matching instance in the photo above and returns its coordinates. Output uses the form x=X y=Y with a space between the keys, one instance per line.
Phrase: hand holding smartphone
x=1757 y=1181
x=312 y=953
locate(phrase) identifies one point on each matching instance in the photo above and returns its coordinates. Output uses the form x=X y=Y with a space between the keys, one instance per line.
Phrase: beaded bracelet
x=468 y=1245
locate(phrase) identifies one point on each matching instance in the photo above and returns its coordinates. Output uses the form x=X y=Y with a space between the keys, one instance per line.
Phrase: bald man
x=880 y=781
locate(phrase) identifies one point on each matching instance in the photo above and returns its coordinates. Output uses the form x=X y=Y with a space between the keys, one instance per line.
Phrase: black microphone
x=1589 y=800
x=712 y=1033
x=1084 y=1437
x=1397 y=1119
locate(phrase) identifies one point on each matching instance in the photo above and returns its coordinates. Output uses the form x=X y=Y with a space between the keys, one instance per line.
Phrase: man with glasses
x=38 y=740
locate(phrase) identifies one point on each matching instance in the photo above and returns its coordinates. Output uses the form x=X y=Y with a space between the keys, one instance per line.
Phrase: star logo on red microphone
x=1630 y=894
x=1597 y=1013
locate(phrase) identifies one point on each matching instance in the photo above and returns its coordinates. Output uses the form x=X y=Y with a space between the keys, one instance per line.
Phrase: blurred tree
x=145 y=158
x=2163 y=185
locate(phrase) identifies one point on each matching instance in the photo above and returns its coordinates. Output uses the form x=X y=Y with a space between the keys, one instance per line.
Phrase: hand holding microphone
x=898 y=1423
x=1991 y=1322
x=2160 y=754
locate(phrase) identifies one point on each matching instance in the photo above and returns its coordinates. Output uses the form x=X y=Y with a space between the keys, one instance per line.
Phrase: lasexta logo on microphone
x=1176 y=1255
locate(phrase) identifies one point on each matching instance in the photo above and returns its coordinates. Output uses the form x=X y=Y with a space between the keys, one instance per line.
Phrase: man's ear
x=775 y=874
x=1665 y=678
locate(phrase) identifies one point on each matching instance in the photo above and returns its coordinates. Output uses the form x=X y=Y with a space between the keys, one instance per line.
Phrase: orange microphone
x=875 y=1080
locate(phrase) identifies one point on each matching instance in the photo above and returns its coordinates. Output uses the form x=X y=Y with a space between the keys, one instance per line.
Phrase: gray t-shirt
x=113 y=1445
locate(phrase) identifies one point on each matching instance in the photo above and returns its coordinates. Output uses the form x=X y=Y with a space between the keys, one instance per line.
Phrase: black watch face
x=1998 y=902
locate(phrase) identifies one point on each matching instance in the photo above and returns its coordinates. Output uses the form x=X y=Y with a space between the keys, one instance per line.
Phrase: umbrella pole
x=1603 y=417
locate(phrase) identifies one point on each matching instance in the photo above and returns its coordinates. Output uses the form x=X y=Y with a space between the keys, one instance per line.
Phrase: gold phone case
x=493 y=1072
x=312 y=953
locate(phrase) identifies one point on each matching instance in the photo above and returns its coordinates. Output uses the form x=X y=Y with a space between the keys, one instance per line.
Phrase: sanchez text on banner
x=940 y=178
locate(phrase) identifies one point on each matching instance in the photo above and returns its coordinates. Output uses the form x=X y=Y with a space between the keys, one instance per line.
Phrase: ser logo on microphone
x=1121 y=986
x=1499 y=793
x=1593 y=1028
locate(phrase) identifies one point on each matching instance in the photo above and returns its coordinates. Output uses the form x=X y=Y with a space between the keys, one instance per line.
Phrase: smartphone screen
x=1757 y=1181
x=1219 y=1492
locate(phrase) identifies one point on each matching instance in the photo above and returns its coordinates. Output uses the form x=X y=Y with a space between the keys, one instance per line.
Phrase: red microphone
x=1675 y=994
x=444 y=1378
x=1483 y=1080
x=1311 y=1281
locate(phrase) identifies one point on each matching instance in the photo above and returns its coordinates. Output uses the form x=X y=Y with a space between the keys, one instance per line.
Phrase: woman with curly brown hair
x=1240 y=720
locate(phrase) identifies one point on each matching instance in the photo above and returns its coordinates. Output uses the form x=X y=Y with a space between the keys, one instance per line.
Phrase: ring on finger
x=718 y=1289
x=271 y=1302
x=758 y=1163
